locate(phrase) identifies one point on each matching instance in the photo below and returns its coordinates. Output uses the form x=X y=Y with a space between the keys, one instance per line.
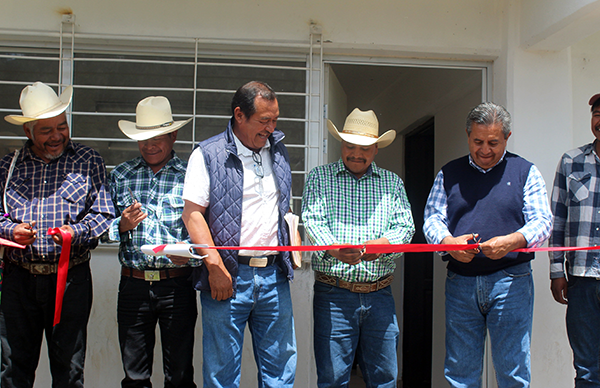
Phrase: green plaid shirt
x=338 y=208
x=161 y=197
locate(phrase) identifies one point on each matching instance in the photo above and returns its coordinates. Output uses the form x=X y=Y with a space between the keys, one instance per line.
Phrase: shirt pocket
x=17 y=193
x=579 y=183
x=171 y=210
x=74 y=191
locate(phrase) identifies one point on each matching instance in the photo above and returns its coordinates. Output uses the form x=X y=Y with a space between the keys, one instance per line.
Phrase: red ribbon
x=394 y=248
x=63 y=268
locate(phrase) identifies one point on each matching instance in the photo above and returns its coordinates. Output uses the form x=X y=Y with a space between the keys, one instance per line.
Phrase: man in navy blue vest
x=498 y=199
x=237 y=191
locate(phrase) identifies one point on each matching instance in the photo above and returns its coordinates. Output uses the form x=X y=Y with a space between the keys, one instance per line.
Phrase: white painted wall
x=435 y=26
x=585 y=68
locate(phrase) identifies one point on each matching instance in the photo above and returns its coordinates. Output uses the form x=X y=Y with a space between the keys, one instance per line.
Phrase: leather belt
x=154 y=275
x=49 y=268
x=257 y=261
x=359 y=287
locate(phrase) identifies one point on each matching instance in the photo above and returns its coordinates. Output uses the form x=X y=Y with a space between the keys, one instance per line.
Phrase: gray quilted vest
x=224 y=213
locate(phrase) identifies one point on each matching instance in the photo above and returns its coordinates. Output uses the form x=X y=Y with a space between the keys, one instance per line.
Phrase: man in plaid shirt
x=576 y=209
x=353 y=201
x=50 y=182
x=147 y=193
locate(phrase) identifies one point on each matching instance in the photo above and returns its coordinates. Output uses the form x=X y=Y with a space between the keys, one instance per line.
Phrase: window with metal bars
x=109 y=80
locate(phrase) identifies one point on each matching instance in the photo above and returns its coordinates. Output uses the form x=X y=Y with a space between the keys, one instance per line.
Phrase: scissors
x=133 y=199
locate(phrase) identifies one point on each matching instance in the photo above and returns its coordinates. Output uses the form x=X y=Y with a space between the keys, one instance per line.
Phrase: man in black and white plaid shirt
x=576 y=209
x=49 y=183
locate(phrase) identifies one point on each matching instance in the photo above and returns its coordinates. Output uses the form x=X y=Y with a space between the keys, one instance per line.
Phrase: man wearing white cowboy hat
x=353 y=201
x=498 y=198
x=147 y=193
x=50 y=182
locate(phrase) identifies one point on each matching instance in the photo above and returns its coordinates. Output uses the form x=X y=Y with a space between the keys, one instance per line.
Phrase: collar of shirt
x=340 y=167
x=175 y=163
x=28 y=154
x=591 y=149
x=242 y=150
x=475 y=166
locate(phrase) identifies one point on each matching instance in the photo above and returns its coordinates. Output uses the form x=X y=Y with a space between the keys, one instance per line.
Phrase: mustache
x=356 y=160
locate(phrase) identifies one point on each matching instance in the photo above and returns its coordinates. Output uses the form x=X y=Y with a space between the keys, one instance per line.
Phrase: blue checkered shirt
x=338 y=208
x=70 y=190
x=536 y=210
x=576 y=209
x=161 y=197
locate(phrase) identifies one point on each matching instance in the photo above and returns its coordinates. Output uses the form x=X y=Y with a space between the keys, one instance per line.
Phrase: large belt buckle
x=151 y=276
x=40 y=269
x=259 y=262
x=361 y=288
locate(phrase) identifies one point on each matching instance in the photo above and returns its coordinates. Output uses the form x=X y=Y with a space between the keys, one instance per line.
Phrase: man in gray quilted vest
x=237 y=191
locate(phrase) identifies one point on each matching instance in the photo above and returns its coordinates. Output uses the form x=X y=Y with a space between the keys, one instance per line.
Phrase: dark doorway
x=418 y=267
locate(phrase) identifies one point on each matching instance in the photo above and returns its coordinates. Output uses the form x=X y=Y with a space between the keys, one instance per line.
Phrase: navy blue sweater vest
x=490 y=204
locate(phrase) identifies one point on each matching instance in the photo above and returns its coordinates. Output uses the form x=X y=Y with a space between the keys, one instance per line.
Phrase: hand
x=131 y=217
x=497 y=247
x=559 y=290
x=25 y=234
x=178 y=260
x=219 y=278
x=350 y=256
x=374 y=256
x=464 y=256
x=57 y=238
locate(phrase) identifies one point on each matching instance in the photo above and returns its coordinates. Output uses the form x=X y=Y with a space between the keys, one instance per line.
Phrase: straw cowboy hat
x=39 y=101
x=153 y=118
x=362 y=128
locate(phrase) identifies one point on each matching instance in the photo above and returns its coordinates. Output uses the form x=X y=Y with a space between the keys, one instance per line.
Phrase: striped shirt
x=536 y=209
x=338 y=208
x=576 y=209
x=70 y=190
x=161 y=197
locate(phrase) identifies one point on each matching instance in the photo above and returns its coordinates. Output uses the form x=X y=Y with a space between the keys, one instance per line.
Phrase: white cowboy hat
x=153 y=118
x=39 y=101
x=362 y=128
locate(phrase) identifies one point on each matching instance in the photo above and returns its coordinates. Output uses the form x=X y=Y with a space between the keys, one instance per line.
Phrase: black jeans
x=141 y=305
x=27 y=311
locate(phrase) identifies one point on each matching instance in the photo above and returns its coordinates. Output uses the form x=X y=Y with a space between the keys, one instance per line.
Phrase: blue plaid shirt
x=576 y=209
x=70 y=190
x=536 y=210
x=161 y=197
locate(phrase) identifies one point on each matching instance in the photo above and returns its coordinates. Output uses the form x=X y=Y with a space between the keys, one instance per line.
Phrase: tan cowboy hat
x=153 y=118
x=39 y=101
x=362 y=128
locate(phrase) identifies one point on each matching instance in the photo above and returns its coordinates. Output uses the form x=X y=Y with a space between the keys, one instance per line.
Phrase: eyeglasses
x=258 y=167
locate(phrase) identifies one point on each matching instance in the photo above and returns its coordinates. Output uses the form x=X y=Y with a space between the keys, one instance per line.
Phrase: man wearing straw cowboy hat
x=353 y=201
x=240 y=180
x=499 y=198
x=49 y=183
x=147 y=193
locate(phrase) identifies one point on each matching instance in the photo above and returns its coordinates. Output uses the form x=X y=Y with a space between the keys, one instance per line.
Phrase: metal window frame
x=67 y=43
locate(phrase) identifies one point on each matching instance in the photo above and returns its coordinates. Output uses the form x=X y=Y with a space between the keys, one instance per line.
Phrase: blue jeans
x=583 y=328
x=28 y=312
x=501 y=303
x=263 y=301
x=348 y=323
x=170 y=303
